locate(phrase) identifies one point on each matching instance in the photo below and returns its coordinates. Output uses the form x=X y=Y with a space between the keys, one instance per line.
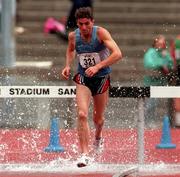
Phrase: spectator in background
x=62 y=28
x=175 y=53
x=158 y=65
x=76 y=4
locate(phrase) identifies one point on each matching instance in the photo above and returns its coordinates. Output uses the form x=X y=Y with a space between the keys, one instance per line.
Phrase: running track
x=27 y=146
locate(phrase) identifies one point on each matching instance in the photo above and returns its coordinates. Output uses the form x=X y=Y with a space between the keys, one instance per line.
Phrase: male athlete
x=96 y=51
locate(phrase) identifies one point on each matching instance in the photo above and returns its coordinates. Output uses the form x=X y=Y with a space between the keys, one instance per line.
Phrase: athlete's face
x=85 y=25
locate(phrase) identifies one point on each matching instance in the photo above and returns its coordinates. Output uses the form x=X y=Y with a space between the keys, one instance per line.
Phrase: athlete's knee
x=82 y=115
x=98 y=121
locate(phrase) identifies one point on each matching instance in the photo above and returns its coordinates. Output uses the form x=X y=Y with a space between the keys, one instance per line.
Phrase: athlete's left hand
x=91 y=71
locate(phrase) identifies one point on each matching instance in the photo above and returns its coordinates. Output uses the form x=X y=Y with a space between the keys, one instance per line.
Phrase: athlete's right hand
x=66 y=72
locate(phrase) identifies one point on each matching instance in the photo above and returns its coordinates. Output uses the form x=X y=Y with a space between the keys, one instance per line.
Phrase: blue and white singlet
x=91 y=53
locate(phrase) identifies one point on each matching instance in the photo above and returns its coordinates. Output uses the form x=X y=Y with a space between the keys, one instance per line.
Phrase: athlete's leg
x=100 y=102
x=83 y=96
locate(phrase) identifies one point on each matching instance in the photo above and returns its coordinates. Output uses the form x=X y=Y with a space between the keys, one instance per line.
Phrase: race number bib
x=88 y=59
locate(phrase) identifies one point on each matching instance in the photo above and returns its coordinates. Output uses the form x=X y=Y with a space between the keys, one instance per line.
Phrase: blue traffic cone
x=166 y=135
x=54 y=144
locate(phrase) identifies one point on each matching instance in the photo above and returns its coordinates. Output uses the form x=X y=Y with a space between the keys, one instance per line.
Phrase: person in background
x=175 y=53
x=76 y=4
x=158 y=66
x=95 y=51
x=63 y=27
x=157 y=63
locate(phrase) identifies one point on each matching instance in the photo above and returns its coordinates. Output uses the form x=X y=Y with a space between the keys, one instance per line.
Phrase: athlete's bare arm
x=105 y=37
x=70 y=55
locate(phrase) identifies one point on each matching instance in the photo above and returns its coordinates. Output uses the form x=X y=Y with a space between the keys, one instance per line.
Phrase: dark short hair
x=84 y=12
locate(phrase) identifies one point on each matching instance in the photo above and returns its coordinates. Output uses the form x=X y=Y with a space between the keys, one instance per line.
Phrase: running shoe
x=99 y=145
x=84 y=160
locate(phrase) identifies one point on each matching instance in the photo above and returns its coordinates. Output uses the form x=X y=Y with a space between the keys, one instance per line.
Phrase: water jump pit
x=22 y=153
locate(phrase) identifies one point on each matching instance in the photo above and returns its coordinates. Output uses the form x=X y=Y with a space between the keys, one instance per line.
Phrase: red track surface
x=25 y=146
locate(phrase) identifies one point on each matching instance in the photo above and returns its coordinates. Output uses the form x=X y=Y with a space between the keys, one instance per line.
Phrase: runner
x=96 y=51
